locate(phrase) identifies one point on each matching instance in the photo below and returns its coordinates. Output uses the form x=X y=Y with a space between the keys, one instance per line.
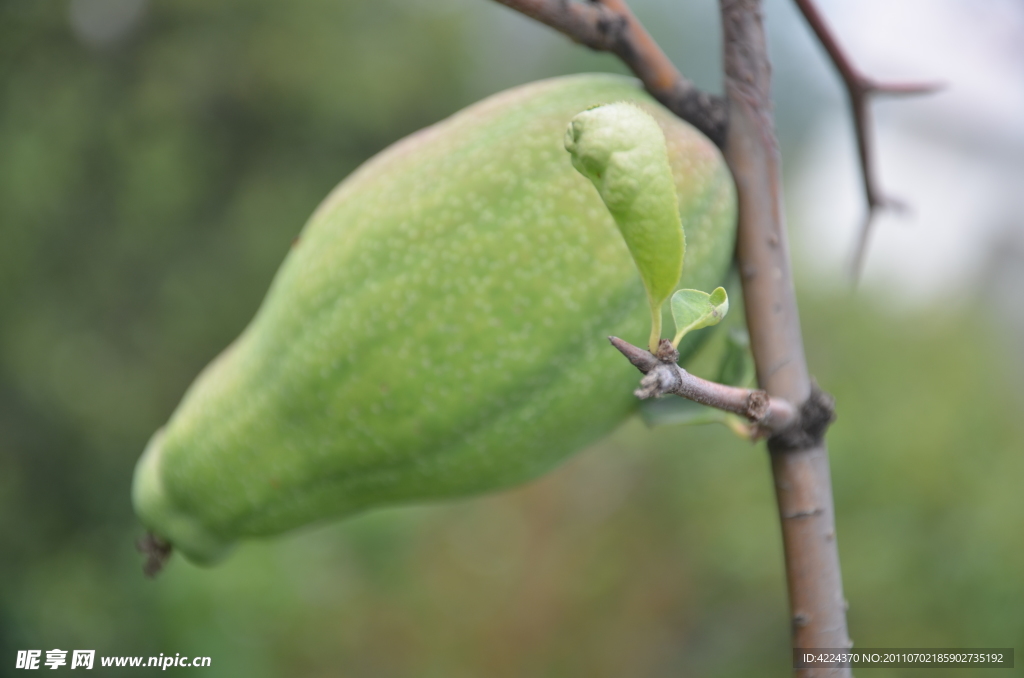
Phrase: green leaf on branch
x=622 y=150
x=693 y=310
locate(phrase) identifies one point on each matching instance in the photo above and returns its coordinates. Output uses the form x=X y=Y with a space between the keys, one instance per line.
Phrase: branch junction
x=662 y=376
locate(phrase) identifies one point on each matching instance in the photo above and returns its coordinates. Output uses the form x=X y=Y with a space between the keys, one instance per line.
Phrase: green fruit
x=438 y=330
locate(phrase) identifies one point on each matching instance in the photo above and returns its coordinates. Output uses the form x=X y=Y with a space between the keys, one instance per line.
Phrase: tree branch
x=799 y=456
x=860 y=90
x=610 y=26
x=799 y=459
x=664 y=377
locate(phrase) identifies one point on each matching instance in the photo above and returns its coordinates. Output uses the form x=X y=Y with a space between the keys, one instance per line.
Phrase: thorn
x=859 y=89
x=641 y=359
x=888 y=202
x=860 y=249
x=903 y=88
x=876 y=205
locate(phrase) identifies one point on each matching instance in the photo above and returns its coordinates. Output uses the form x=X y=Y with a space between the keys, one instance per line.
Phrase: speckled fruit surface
x=439 y=329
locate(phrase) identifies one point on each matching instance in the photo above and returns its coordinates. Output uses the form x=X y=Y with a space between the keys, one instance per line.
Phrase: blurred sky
x=957 y=157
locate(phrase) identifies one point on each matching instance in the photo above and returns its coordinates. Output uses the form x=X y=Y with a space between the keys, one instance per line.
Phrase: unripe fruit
x=438 y=330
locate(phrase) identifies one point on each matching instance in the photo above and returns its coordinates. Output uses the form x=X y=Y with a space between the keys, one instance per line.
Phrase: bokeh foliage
x=149 y=187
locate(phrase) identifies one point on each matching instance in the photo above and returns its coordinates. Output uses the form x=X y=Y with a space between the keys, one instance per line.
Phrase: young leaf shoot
x=693 y=309
x=622 y=150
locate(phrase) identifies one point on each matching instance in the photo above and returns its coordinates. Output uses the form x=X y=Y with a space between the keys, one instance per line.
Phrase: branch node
x=667 y=353
x=806 y=513
x=661 y=380
x=816 y=414
x=662 y=376
x=757 y=406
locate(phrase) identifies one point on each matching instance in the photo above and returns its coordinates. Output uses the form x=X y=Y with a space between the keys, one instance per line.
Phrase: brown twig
x=860 y=89
x=610 y=26
x=664 y=377
x=799 y=458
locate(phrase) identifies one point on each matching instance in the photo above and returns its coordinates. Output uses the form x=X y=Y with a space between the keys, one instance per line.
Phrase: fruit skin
x=438 y=330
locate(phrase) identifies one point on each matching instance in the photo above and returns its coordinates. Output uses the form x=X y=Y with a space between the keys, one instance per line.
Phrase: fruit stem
x=156 y=550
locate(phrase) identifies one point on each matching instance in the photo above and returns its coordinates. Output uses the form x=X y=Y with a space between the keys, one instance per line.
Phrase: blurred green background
x=156 y=160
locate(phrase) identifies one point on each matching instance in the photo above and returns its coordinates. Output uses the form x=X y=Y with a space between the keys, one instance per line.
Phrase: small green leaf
x=622 y=150
x=693 y=309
